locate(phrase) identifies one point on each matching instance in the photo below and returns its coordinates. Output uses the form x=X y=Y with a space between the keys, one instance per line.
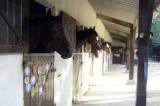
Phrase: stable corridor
x=112 y=89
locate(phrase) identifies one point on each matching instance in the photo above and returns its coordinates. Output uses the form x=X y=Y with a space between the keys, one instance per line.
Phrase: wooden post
x=128 y=57
x=145 y=19
x=131 y=62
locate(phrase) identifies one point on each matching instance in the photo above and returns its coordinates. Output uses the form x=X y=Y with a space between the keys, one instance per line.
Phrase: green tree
x=154 y=44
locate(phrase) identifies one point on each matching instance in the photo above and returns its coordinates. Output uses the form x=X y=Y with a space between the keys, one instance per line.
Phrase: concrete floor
x=112 y=89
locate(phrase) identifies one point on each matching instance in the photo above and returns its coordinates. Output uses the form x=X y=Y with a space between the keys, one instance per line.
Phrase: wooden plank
x=37 y=98
x=52 y=85
x=114 y=20
x=145 y=19
x=49 y=89
x=44 y=97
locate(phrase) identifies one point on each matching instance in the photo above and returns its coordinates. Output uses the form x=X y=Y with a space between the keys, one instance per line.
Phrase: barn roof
x=118 y=15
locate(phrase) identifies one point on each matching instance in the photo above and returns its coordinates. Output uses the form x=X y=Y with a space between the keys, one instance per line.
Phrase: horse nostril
x=68 y=51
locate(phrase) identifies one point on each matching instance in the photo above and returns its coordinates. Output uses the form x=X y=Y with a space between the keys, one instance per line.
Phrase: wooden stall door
x=10 y=25
x=38 y=80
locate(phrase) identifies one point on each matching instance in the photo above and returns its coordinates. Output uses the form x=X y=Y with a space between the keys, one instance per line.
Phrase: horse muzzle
x=65 y=52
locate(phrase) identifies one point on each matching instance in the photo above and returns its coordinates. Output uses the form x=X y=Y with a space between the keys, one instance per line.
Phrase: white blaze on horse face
x=97 y=38
x=107 y=45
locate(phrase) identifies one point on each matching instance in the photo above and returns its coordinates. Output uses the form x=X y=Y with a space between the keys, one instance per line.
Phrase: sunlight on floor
x=111 y=89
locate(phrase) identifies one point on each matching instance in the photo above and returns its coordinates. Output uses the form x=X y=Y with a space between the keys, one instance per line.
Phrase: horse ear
x=49 y=12
x=94 y=28
x=59 y=17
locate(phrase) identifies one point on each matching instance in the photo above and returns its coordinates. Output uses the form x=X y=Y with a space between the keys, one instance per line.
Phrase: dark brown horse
x=104 y=45
x=47 y=35
x=88 y=35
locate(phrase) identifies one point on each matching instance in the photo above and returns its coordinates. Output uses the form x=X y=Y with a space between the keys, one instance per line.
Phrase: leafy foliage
x=154 y=45
x=155 y=29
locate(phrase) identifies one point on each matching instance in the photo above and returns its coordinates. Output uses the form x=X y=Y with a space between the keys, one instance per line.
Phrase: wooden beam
x=127 y=54
x=118 y=37
x=145 y=20
x=10 y=49
x=131 y=52
x=113 y=31
x=135 y=22
x=114 y=20
x=120 y=40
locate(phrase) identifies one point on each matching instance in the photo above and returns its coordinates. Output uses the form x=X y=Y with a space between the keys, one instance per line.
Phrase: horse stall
x=82 y=70
x=98 y=66
x=105 y=62
x=106 y=50
x=87 y=68
x=25 y=80
x=82 y=73
x=35 y=78
x=63 y=64
x=77 y=77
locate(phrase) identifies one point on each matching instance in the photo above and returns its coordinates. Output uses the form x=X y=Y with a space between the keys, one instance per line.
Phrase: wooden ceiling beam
x=114 y=20
x=120 y=40
x=116 y=32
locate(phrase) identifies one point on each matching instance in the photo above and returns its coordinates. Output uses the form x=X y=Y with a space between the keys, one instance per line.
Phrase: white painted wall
x=105 y=62
x=63 y=83
x=77 y=77
x=97 y=68
x=86 y=72
x=82 y=74
x=82 y=11
x=11 y=80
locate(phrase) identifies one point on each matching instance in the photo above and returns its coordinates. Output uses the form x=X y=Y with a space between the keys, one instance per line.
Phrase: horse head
x=93 y=39
x=50 y=36
x=90 y=36
x=104 y=46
